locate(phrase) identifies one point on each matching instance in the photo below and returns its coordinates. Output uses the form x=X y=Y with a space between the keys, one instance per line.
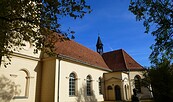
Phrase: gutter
x=81 y=62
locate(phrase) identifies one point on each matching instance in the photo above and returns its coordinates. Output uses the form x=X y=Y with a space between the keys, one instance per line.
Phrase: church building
x=75 y=74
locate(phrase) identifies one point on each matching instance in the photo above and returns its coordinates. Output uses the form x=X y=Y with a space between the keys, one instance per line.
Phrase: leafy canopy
x=157 y=15
x=33 y=21
x=160 y=76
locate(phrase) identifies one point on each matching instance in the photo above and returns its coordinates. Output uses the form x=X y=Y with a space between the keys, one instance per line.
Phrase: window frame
x=100 y=86
x=26 y=85
x=137 y=82
x=72 y=84
x=89 y=85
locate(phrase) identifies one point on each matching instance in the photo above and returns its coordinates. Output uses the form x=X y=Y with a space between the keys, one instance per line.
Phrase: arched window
x=109 y=87
x=110 y=93
x=72 y=84
x=22 y=81
x=137 y=79
x=88 y=85
x=126 y=92
x=100 y=87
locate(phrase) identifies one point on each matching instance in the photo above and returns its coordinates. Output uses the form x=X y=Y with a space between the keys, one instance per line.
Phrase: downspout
x=130 y=84
x=0 y=60
x=105 y=91
x=59 y=65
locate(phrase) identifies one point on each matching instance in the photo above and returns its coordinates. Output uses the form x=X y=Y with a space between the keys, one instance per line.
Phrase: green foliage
x=34 y=21
x=158 y=16
x=146 y=81
x=160 y=77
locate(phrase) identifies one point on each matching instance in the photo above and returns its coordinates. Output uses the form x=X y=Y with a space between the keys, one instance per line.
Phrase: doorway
x=117 y=93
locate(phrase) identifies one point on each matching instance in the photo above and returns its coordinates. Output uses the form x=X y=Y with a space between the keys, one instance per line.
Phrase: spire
x=99 y=46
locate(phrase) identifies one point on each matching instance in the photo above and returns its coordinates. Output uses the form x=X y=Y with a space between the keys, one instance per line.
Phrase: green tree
x=157 y=16
x=160 y=77
x=33 y=21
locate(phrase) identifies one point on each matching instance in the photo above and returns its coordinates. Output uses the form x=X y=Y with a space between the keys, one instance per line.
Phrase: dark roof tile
x=119 y=60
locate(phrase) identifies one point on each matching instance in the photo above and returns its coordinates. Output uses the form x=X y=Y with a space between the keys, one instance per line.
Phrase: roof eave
x=130 y=70
x=65 y=57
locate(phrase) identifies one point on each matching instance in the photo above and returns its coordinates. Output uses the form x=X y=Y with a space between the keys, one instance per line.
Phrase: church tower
x=99 y=46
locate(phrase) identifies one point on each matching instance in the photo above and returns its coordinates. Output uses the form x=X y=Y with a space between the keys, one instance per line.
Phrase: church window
x=72 y=84
x=88 y=85
x=126 y=93
x=100 y=87
x=109 y=87
x=22 y=82
x=137 y=83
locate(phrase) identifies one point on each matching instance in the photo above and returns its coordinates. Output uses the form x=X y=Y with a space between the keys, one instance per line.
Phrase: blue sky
x=116 y=26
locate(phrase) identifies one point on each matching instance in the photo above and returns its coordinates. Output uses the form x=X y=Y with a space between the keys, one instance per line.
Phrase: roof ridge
x=132 y=59
x=112 y=51
x=124 y=58
x=123 y=61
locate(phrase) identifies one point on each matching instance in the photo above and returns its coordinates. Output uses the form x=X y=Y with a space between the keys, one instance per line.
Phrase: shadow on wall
x=7 y=89
x=82 y=95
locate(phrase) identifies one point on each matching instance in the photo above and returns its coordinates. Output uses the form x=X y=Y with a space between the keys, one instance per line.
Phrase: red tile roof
x=119 y=60
x=78 y=52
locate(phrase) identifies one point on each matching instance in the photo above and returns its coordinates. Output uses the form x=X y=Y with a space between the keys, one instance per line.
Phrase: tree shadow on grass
x=82 y=95
x=7 y=89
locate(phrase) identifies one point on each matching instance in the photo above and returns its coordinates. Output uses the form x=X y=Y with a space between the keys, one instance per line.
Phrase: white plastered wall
x=23 y=63
x=81 y=71
x=113 y=79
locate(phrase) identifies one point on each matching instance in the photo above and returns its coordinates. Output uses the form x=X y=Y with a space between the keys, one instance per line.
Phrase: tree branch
x=16 y=19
